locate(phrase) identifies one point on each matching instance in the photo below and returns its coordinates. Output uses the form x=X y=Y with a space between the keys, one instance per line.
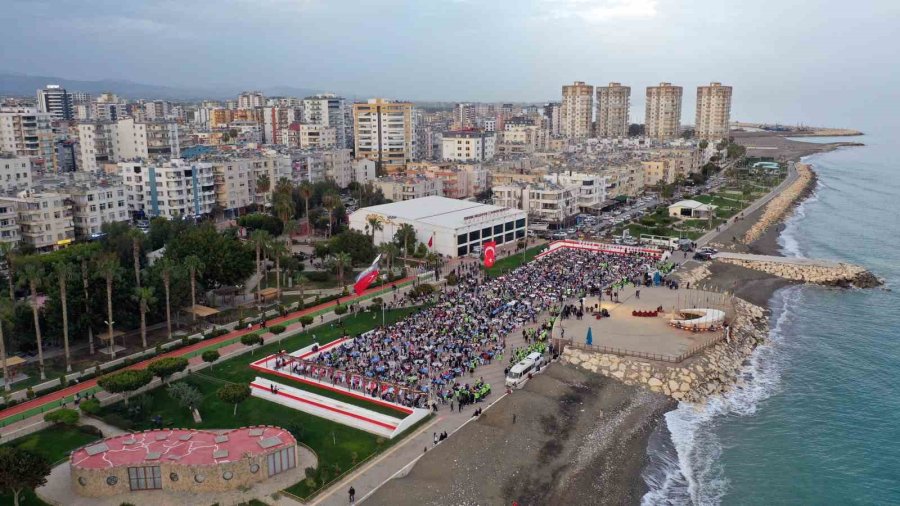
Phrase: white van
x=518 y=375
x=537 y=358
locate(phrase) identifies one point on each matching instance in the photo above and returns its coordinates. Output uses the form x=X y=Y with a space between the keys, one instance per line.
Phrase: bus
x=518 y=375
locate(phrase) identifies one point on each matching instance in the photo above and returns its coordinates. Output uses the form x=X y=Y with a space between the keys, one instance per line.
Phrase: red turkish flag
x=490 y=253
x=430 y=242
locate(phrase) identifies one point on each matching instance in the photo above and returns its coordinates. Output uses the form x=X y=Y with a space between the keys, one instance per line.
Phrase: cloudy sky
x=812 y=61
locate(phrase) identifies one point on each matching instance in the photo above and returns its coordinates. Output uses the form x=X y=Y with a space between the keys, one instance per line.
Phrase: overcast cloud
x=813 y=61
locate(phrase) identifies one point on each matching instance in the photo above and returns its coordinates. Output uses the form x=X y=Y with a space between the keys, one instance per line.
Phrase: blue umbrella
x=590 y=337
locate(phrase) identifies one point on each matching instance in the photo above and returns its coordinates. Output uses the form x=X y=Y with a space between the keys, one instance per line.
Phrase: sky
x=798 y=61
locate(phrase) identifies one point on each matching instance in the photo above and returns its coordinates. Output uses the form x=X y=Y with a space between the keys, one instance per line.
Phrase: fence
x=674 y=359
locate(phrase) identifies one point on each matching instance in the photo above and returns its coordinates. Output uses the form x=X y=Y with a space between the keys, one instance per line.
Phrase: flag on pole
x=366 y=277
x=431 y=241
x=490 y=253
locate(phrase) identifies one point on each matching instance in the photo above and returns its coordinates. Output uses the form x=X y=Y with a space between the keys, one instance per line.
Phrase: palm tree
x=145 y=299
x=301 y=282
x=306 y=193
x=330 y=201
x=390 y=251
x=406 y=234
x=263 y=183
x=374 y=222
x=260 y=239
x=432 y=260
x=6 y=308
x=341 y=261
x=109 y=269
x=278 y=250
x=166 y=267
x=31 y=275
x=137 y=238
x=283 y=205
x=87 y=301
x=194 y=266
x=6 y=250
x=64 y=272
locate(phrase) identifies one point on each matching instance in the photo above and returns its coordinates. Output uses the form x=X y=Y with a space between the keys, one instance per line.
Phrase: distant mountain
x=17 y=84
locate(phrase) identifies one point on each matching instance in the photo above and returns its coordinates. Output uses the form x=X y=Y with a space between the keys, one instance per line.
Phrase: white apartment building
x=590 y=189
x=95 y=202
x=339 y=166
x=44 y=219
x=108 y=107
x=553 y=112
x=363 y=170
x=468 y=146
x=663 y=112
x=172 y=189
x=330 y=110
x=612 y=110
x=548 y=203
x=276 y=119
x=576 y=110
x=251 y=99
x=9 y=222
x=316 y=136
x=234 y=185
x=384 y=131
x=15 y=173
x=408 y=188
x=96 y=145
x=713 y=112
x=103 y=141
x=26 y=132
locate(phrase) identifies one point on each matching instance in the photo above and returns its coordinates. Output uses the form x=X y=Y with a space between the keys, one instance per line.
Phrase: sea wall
x=710 y=372
x=841 y=274
x=782 y=204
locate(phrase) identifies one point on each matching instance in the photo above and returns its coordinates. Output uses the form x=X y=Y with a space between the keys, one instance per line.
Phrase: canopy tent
x=201 y=311
x=267 y=294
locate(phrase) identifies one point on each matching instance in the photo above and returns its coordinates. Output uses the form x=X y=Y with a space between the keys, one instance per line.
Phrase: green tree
x=64 y=272
x=234 y=393
x=145 y=298
x=167 y=366
x=109 y=269
x=357 y=244
x=251 y=339
x=283 y=201
x=210 y=357
x=305 y=191
x=331 y=201
x=259 y=221
x=194 y=266
x=260 y=240
x=421 y=250
x=22 y=470
x=406 y=237
x=84 y=260
x=166 y=268
x=227 y=260
x=62 y=416
x=300 y=282
x=7 y=251
x=263 y=183
x=137 y=240
x=32 y=274
x=341 y=261
x=389 y=251
x=704 y=144
x=374 y=224
x=6 y=309
x=125 y=382
x=185 y=395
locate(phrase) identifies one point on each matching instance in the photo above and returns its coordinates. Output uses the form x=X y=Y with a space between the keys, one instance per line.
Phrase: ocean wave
x=686 y=470
x=790 y=246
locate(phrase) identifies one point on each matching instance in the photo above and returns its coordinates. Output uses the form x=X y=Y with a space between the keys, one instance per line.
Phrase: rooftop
x=187 y=446
x=438 y=211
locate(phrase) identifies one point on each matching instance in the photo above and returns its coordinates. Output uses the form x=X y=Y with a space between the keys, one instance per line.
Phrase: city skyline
x=435 y=52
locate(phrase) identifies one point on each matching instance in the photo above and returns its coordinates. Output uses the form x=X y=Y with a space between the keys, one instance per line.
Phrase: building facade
x=56 y=101
x=663 y=112
x=400 y=188
x=384 y=131
x=44 y=219
x=713 y=112
x=576 y=110
x=468 y=146
x=15 y=173
x=613 y=104
x=172 y=189
x=24 y=131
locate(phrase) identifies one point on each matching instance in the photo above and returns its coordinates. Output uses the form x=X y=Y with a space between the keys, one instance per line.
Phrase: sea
x=816 y=419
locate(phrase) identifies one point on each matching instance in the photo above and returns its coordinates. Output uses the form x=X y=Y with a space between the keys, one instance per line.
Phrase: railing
x=674 y=359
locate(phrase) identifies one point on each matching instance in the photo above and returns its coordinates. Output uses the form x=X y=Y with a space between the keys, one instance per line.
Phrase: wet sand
x=578 y=438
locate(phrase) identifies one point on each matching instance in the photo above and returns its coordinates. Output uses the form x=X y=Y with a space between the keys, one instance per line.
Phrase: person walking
x=352 y=493
x=435 y=439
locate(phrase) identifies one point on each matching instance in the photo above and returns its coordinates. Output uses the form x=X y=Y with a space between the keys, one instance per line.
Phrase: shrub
x=125 y=382
x=306 y=320
x=421 y=290
x=340 y=309
x=251 y=339
x=318 y=276
x=376 y=301
x=62 y=416
x=452 y=279
x=29 y=393
x=165 y=367
x=210 y=356
x=277 y=329
x=260 y=221
x=90 y=429
x=234 y=393
x=215 y=333
x=90 y=406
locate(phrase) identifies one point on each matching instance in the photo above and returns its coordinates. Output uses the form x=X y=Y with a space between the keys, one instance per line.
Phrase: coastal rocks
x=838 y=275
x=713 y=371
x=780 y=206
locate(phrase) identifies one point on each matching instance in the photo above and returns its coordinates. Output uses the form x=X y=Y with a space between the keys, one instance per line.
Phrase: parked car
x=703 y=257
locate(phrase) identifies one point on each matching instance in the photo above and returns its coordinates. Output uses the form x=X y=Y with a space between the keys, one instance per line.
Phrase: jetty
x=804 y=270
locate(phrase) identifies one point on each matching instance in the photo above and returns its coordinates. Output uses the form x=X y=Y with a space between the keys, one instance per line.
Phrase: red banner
x=490 y=253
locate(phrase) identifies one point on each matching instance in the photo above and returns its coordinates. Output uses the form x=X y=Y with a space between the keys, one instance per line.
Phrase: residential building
x=658 y=172
x=663 y=112
x=577 y=110
x=250 y=100
x=713 y=112
x=108 y=107
x=399 y=188
x=157 y=109
x=464 y=116
x=612 y=110
x=26 y=132
x=330 y=110
x=15 y=173
x=44 y=219
x=339 y=166
x=590 y=189
x=96 y=145
x=95 y=201
x=56 y=101
x=544 y=202
x=453 y=227
x=364 y=170
x=9 y=223
x=316 y=136
x=275 y=119
x=172 y=189
x=384 y=131
x=467 y=146
x=553 y=113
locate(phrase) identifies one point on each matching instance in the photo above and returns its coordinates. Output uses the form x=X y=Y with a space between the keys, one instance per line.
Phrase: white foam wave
x=790 y=246
x=694 y=474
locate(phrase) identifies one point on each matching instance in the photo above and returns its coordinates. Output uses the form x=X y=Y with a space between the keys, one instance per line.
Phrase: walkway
x=49 y=401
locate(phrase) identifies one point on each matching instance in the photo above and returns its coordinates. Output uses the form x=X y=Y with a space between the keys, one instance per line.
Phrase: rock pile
x=713 y=371
x=780 y=206
x=841 y=274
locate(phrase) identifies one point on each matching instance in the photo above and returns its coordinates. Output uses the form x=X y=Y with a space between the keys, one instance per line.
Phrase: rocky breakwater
x=782 y=204
x=711 y=371
x=841 y=274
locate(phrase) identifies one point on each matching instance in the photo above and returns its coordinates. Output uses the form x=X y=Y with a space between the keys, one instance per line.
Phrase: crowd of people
x=466 y=326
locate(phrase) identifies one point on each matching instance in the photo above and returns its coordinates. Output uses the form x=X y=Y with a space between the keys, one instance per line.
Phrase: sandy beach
x=578 y=438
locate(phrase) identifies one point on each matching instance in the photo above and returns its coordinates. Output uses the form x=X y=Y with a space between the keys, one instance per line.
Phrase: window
x=486 y=232
x=281 y=460
x=509 y=237
x=144 y=478
x=509 y=225
x=462 y=250
x=461 y=239
x=520 y=223
x=498 y=229
x=474 y=235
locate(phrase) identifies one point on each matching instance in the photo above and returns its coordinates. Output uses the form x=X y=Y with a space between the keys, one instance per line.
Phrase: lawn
x=511 y=262
x=55 y=443
x=339 y=447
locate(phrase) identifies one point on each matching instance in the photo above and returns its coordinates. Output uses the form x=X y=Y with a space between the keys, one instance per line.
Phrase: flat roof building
x=456 y=226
